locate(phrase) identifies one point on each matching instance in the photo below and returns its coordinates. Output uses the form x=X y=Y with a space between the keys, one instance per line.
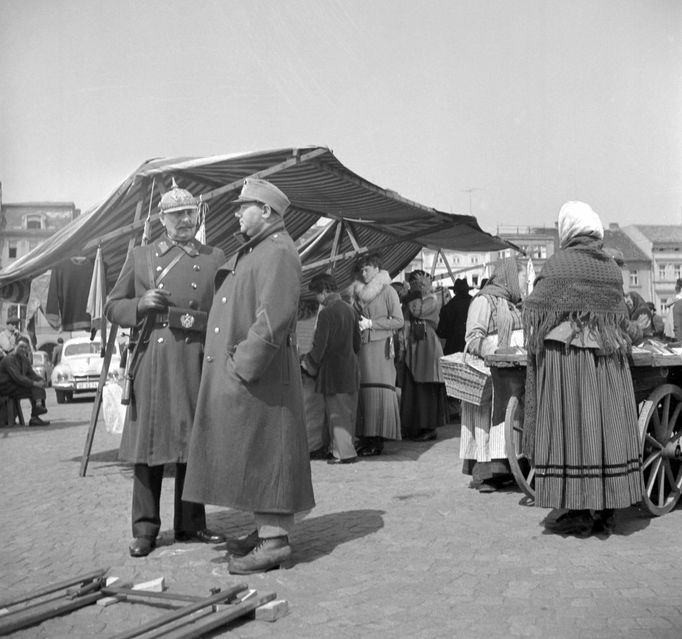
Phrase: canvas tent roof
x=363 y=215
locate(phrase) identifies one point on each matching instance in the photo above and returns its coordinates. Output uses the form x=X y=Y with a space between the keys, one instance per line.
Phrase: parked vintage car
x=42 y=365
x=81 y=366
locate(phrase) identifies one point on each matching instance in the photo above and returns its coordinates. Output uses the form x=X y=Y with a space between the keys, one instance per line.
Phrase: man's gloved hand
x=155 y=299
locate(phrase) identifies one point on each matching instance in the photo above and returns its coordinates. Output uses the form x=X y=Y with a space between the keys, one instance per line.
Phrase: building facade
x=663 y=243
x=23 y=227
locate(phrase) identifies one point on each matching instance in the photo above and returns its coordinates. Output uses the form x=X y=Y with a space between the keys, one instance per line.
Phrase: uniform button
x=160 y=340
x=157 y=255
x=250 y=250
x=196 y=267
x=193 y=304
x=158 y=269
x=193 y=284
x=209 y=358
x=216 y=329
x=161 y=285
x=165 y=324
x=188 y=340
x=224 y=300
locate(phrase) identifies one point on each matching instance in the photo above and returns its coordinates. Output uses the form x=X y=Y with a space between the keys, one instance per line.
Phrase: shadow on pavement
x=313 y=537
x=628 y=521
x=406 y=450
x=102 y=456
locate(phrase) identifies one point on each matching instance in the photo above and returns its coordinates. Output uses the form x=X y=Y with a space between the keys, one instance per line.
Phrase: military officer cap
x=256 y=190
x=177 y=199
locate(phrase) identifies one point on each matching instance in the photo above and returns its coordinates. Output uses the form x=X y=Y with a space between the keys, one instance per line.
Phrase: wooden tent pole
x=98 y=399
x=447 y=265
x=105 y=364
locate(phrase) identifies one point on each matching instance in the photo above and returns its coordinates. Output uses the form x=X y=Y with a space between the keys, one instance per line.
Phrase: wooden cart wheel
x=661 y=436
x=523 y=471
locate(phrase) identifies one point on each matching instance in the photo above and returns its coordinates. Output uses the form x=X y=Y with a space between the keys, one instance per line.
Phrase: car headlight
x=62 y=374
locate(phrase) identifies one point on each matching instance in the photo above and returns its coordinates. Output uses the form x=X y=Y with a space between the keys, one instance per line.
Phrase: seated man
x=18 y=380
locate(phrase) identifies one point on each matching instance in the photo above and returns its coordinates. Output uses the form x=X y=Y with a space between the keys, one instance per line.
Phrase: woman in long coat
x=423 y=400
x=493 y=321
x=379 y=307
x=580 y=422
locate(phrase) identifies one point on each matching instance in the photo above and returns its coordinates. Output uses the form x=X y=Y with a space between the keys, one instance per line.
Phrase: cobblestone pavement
x=398 y=546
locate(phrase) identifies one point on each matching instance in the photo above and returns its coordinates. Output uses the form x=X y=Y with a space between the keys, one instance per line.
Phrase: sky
x=499 y=108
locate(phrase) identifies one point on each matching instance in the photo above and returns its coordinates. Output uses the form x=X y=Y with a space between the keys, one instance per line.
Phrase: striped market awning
x=361 y=216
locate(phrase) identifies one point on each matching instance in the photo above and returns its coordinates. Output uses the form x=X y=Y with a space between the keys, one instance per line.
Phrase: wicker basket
x=467 y=377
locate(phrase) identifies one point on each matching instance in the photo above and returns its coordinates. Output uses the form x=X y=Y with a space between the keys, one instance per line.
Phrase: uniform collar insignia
x=166 y=244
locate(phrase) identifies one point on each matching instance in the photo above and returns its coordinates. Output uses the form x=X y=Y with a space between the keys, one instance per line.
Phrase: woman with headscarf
x=423 y=401
x=378 y=306
x=580 y=424
x=493 y=321
x=640 y=312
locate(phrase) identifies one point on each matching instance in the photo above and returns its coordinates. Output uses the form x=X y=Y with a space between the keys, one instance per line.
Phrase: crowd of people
x=229 y=410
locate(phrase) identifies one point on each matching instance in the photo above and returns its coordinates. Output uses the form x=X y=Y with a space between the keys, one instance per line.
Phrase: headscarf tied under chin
x=577 y=218
x=504 y=283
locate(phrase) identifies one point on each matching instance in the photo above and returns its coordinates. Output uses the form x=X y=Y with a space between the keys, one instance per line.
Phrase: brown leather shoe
x=241 y=547
x=268 y=554
x=141 y=546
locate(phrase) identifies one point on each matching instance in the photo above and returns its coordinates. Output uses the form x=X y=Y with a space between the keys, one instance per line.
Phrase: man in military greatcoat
x=164 y=291
x=249 y=448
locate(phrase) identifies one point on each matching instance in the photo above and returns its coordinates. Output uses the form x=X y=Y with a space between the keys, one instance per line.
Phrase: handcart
x=657 y=379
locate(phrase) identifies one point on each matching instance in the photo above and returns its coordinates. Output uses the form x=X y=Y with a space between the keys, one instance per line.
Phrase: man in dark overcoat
x=453 y=318
x=248 y=448
x=165 y=289
x=333 y=361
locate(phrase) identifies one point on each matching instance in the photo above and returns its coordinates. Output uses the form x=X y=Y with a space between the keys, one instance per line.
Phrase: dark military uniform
x=166 y=385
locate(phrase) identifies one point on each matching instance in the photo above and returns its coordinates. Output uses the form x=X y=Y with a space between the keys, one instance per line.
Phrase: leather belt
x=183 y=319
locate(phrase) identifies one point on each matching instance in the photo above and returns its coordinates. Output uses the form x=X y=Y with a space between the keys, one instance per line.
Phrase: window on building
x=662 y=272
x=474 y=280
x=634 y=278
x=33 y=222
x=677 y=270
x=475 y=259
x=12 y=249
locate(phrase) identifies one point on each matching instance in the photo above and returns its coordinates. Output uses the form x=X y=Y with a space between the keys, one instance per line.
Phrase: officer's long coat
x=249 y=448
x=166 y=385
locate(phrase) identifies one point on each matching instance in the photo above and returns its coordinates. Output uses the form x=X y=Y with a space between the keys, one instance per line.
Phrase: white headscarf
x=578 y=218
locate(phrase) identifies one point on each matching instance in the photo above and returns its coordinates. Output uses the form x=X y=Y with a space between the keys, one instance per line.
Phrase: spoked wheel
x=661 y=432
x=523 y=471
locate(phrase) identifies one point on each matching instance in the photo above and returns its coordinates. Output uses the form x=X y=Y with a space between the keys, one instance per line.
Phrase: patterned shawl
x=583 y=285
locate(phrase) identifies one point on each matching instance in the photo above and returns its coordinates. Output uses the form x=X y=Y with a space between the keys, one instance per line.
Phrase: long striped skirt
x=379 y=411
x=480 y=439
x=587 y=452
